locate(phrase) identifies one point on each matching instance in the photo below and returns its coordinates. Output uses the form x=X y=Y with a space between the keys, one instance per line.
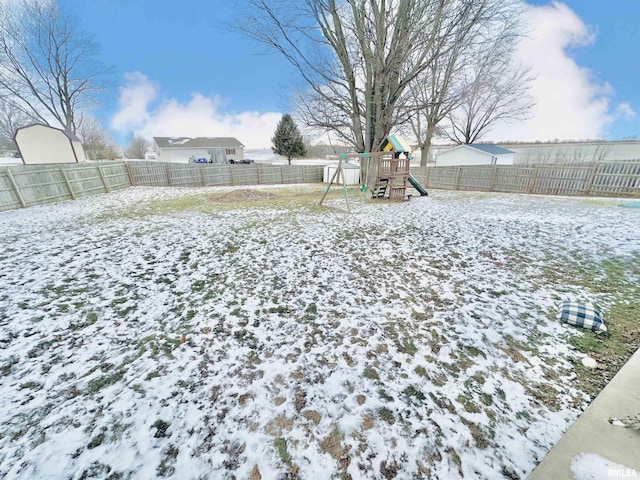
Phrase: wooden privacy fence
x=157 y=174
x=28 y=185
x=611 y=179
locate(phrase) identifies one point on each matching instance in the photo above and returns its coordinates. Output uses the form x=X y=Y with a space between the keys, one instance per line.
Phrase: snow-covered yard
x=174 y=333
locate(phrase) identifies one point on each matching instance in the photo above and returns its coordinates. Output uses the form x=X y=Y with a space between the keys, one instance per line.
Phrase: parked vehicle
x=199 y=160
x=246 y=161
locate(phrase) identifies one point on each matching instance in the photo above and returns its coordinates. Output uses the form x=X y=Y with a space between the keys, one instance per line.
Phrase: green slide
x=416 y=184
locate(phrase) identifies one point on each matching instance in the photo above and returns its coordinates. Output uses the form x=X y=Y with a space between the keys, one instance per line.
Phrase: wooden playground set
x=385 y=174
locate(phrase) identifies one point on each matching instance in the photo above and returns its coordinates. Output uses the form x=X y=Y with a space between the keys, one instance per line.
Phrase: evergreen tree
x=287 y=140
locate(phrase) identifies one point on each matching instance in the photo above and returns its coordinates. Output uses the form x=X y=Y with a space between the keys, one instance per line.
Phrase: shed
x=182 y=149
x=351 y=173
x=472 y=154
x=42 y=144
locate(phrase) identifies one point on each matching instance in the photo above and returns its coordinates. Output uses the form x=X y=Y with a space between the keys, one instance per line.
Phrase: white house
x=475 y=154
x=39 y=144
x=182 y=149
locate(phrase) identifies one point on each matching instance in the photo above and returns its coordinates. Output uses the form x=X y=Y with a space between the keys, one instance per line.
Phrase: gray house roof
x=198 y=142
x=489 y=148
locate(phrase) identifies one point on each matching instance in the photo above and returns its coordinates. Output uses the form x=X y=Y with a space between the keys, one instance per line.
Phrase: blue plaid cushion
x=582 y=315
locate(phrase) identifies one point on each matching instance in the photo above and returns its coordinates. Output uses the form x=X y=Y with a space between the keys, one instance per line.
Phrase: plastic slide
x=416 y=184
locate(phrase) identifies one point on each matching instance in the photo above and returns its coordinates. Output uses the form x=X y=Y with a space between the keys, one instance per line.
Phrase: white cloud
x=570 y=102
x=625 y=111
x=199 y=117
x=135 y=96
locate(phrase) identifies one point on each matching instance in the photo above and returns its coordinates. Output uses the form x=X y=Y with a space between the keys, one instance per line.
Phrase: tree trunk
x=426 y=145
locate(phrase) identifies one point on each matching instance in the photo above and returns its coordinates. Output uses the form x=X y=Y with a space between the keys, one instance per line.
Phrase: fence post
x=202 y=175
x=426 y=177
x=494 y=174
x=231 y=175
x=458 y=179
x=592 y=176
x=281 y=174
x=104 y=180
x=15 y=187
x=168 y=172
x=66 y=180
x=130 y=173
x=534 y=177
x=259 y=176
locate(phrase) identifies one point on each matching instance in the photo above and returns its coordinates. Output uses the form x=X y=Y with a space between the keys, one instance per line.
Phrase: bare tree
x=491 y=26
x=138 y=147
x=95 y=139
x=501 y=96
x=11 y=118
x=48 y=64
x=356 y=57
x=494 y=88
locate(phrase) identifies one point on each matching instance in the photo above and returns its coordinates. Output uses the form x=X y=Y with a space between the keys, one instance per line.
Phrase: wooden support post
x=104 y=180
x=202 y=175
x=534 y=177
x=231 y=176
x=281 y=174
x=330 y=183
x=426 y=177
x=344 y=185
x=458 y=178
x=132 y=181
x=68 y=183
x=16 y=189
x=259 y=176
x=168 y=172
x=592 y=176
x=494 y=174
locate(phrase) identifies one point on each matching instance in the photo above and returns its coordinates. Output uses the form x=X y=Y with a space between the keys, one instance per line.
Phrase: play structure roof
x=397 y=144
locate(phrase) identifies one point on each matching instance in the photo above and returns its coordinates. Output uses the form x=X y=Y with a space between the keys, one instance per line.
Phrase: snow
x=589 y=362
x=589 y=466
x=146 y=339
x=8 y=161
x=266 y=155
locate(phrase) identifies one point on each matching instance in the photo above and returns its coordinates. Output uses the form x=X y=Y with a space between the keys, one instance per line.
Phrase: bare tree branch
x=357 y=57
x=48 y=66
x=95 y=140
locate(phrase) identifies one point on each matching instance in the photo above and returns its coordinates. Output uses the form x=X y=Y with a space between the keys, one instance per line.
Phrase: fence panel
x=617 y=179
x=9 y=197
x=115 y=176
x=602 y=179
x=443 y=177
x=29 y=185
x=148 y=173
x=312 y=173
x=562 y=179
x=84 y=181
x=513 y=179
x=217 y=174
x=245 y=174
x=271 y=174
x=476 y=178
x=184 y=174
x=38 y=187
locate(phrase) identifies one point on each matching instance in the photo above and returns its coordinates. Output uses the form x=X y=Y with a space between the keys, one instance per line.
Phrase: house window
x=230 y=151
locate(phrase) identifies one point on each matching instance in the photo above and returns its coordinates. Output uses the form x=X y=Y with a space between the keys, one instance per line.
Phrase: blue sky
x=181 y=70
